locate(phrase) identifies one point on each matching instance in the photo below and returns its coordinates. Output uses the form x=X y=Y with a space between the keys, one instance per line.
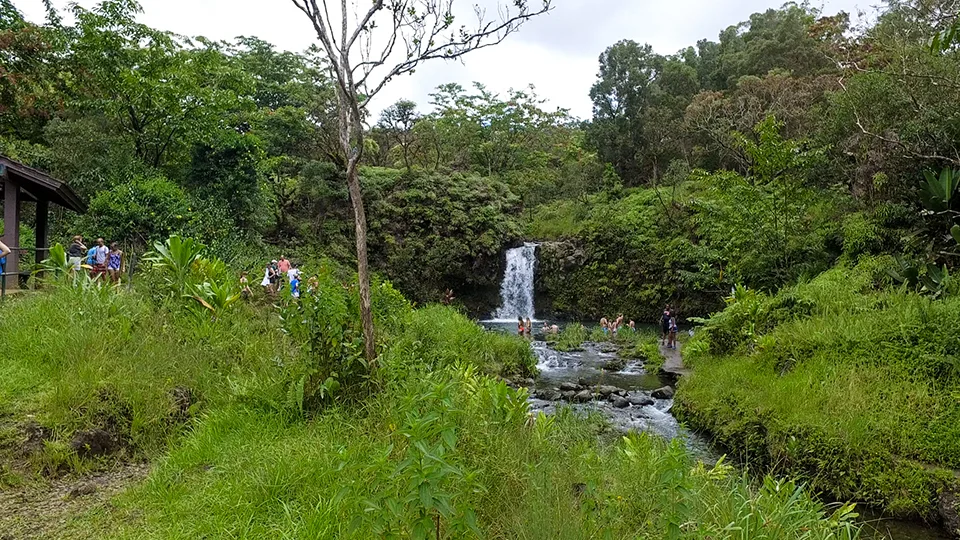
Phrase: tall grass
x=438 y=447
x=852 y=389
x=453 y=449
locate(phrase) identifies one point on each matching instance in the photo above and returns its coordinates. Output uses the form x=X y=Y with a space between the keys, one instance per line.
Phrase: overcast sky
x=557 y=52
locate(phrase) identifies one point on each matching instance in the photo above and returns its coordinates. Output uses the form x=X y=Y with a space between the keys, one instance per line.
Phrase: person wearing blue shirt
x=4 y=251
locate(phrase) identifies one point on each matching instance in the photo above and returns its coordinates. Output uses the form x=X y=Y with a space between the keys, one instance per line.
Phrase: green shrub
x=839 y=384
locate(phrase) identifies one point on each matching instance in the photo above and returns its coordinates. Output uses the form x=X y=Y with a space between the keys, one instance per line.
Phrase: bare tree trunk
x=363 y=269
x=350 y=134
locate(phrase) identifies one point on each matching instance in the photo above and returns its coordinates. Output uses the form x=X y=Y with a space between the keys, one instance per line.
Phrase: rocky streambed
x=596 y=379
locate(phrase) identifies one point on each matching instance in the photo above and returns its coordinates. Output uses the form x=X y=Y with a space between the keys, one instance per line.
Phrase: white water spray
x=516 y=292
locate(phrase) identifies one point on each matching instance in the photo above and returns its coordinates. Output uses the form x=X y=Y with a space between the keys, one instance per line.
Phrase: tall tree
x=397 y=121
x=620 y=96
x=362 y=48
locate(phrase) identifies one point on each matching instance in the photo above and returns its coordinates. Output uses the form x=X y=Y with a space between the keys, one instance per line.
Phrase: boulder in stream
x=666 y=392
x=567 y=395
x=640 y=401
x=606 y=390
x=620 y=403
x=568 y=386
x=547 y=395
x=583 y=396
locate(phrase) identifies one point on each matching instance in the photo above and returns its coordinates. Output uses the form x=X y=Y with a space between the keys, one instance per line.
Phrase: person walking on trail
x=91 y=257
x=268 y=278
x=665 y=324
x=284 y=266
x=100 y=254
x=114 y=263
x=75 y=253
x=672 y=340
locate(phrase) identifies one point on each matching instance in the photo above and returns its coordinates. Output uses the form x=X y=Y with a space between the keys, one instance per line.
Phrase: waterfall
x=516 y=292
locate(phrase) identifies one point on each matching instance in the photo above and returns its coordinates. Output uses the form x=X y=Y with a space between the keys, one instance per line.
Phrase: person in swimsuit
x=529 y=327
x=672 y=340
x=520 y=328
x=114 y=262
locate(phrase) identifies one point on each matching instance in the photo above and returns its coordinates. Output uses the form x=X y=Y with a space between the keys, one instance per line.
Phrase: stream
x=629 y=397
x=652 y=415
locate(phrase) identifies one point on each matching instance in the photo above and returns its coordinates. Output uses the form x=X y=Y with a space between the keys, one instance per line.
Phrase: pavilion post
x=11 y=225
x=43 y=230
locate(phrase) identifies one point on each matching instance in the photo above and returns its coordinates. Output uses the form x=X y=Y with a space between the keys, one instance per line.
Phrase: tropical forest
x=266 y=302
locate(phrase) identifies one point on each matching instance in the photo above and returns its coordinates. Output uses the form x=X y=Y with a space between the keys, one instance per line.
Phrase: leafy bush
x=832 y=377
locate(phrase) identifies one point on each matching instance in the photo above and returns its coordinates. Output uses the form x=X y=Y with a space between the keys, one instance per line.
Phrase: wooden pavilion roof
x=35 y=185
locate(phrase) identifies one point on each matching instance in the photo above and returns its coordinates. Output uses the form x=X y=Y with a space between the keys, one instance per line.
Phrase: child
x=295 y=286
x=672 y=341
x=245 y=286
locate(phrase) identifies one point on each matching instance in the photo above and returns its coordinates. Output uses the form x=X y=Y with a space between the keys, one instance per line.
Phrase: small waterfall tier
x=516 y=291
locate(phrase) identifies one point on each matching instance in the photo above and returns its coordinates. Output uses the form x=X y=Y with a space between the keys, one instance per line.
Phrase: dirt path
x=42 y=510
x=673 y=362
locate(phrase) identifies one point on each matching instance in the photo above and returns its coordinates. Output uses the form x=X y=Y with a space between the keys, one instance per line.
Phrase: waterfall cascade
x=516 y=291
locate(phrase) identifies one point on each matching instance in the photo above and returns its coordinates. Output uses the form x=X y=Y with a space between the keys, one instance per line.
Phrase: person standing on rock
x=672 y=340
x=665 y=324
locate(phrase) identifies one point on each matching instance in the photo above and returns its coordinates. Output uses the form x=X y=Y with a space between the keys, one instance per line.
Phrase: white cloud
x=556 y=52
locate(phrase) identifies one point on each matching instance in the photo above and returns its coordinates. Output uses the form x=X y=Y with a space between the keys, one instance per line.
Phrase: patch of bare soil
x=40 y=510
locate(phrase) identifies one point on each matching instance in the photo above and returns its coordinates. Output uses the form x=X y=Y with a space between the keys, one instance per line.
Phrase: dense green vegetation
x=264 y=425
x=804 y=162
x=846 y=384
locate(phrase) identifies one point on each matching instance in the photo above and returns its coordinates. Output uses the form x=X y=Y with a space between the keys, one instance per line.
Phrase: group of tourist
x=524 y=328
x=668 y=328
x=612 y=327
x=99 y=259
x=276 y=275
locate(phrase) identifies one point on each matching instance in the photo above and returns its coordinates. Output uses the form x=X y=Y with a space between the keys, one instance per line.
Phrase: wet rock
x=620 y=403
x=583 y=396
x=949 y=512
x=640 y=401
x=606 y=390
x=547 y=395
x=614 y=364
x=567 y=395
x=94 y=442
x=663 y=393
x=608 y=348
x=568 y=386
x=529 y=382
x=583 y=383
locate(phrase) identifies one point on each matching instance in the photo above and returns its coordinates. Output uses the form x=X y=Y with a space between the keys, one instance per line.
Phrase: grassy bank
x=241 y=446
x=843 y=381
